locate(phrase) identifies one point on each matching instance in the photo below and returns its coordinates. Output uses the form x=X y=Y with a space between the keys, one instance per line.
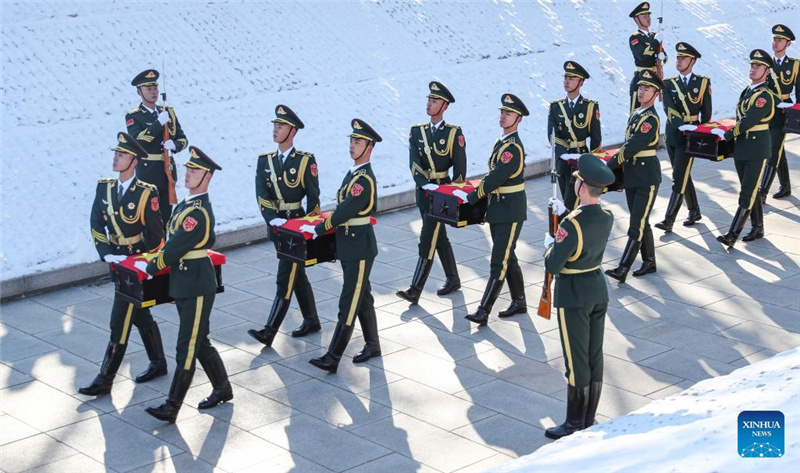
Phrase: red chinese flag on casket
x=294 y=224
x=467 y=187
x=216 y=259
x=724 y=125
x=607 y=154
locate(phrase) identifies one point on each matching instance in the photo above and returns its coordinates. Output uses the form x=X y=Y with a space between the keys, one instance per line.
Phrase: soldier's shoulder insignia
x=154 y=204
x=134 y=110
x=634 y=41
x=188 y=224
x=423 y=124
x=356 y=190
x=147 y=185
x=506 y=157
x=314 y=171
x=760 y=102
x=462 y=141
x=561 y=234
x=510 y=139
x=197 y=204
x=556 y=102
x=267 y=155
x=360 y=172
x=450 y=125
x=104 y=180
x=646 y=126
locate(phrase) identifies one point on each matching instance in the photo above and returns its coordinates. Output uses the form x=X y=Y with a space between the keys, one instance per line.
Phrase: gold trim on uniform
x=290 y=286
x=357 y=294
x=562 y=317
x=126 y=325
x=198 y=312
x=646 y=212
x=508 y=250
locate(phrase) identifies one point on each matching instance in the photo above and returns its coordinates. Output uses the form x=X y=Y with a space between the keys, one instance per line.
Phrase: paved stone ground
x=445 y=396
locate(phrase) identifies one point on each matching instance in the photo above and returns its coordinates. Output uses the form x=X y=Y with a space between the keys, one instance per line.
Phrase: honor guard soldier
x=644 y=47
x=506 y=211
x=581 y=294
x=642 y=172
x=193 y=285
x=356 y=248
x=575 y=121
x=752 y=147
x=125 y=221
x=146 y=123
x=783 y=80
x=434 y=148
x=283 y=178
x=687 y=103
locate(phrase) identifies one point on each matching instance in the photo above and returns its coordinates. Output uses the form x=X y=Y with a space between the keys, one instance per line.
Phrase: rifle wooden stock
x=173 y=196
x=545 y=301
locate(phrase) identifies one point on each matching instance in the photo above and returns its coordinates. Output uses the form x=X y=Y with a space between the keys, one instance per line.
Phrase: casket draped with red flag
x=792 y=119
x=701 y=143
x=303 y=248
x=446 y=208
x=619 y=181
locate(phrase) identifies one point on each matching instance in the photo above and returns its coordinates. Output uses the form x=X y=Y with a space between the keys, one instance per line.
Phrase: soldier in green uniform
x=356 y=248
x=644 y=47
x=580 y=293
x=146 y=123
x=434 y=148
x=753 y=145
x=575 y=121
x=193 y=284
x=687 y=103
x=506 y=211
x=642 y=172
x=782 y=80
x=283 y=178
x=125 y=221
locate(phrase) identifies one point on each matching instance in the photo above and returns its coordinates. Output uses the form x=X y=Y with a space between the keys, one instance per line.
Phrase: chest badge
x=131 y=206
x=580 y=115
x=441 y=142
x=696 y=90
x=292 y=171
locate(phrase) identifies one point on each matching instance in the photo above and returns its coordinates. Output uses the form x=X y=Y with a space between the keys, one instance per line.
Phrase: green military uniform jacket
x=754 y=111
x=190 y=232
x=446 y=148
x=783 y=80
x=127 y=227
x=144 y=126
x=575 y=127
x=637 y=156
x=281 y=185
x=685 y=106
x=644 y=47
x=576 y=256
x=356 y=199
x=504 y=185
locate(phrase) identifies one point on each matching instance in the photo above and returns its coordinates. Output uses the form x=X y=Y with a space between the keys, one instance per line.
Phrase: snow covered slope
x=66 y=68
x=694 y=431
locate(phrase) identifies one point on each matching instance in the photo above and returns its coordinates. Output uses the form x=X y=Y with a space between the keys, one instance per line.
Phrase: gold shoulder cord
x=300 y=172
x=699 y=98
x=427 y=149
x=448 y=147
x=589 y=114
x=567 y=121
x=110 y=212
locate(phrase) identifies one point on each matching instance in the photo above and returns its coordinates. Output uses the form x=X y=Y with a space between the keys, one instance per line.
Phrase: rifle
x=545 y=302
x=660 y=62
x=173 y=197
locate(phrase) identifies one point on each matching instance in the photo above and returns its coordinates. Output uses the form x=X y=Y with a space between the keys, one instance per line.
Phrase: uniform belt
x=195 y=254
x=437 y=175
x=648 y=153
x=358 y=221
x=154 y=157
x=785 y=96
x=642 y=68
x=123 y=241
x=510 y=189
x=290 y=206
x=690 y=118
x=578 y=271
x=570 y=144
x=760 y=127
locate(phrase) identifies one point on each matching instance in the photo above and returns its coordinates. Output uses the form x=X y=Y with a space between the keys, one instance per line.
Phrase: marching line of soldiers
x=133 y=214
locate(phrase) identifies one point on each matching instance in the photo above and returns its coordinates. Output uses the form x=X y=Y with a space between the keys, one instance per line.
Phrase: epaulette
x=360 y=172
x=137 y=109
x=304 y=153
x=197 y=203
x=270 y=154
x=555 y=102
x=510 y=139
x=104 y=180
x=572 y=215
x=146 y=185
x=420 y=124
x=451 y=125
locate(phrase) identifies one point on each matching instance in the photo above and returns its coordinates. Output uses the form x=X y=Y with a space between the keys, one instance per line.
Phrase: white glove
x=278 y=222
x=570 y=156
x=163 y=117
x=785 y=104
x=687 y=127
x=548 y=240
x=558 y=207
x=430 y=187
x=309 y=229
x=114 y=258
x=461 y=195
x=719 y=132
x=170 y=145
x=142 y=266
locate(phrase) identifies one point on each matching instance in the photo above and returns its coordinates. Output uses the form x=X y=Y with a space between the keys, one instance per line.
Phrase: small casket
x=701 y=143
x=300 y=247
x=619 y=182
x=133 y=286
x=793 y=119
x=446 y=208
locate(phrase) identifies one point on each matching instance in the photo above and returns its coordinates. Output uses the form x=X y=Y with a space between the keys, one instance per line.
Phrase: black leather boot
x=648 y=255
x=675 y=201
x=757 y=222
x=739 y=219
x=516 y=286
x=490 y=294
x=308 y=307
x=577 y=403
x=168 y=410
x=372 y=346
x=222 y=390
x=690 y=196
x=766 y=182
x=330 y=361
x=108 y=370
x=452 y=281
x=421 y=273
x=628 y=256
x=594 y=399
x=783 y=177
x=276 y=315
x=151 y=339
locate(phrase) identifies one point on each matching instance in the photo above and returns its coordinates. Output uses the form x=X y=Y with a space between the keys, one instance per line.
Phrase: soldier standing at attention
x=283 y=178
x=642 y=172
x=782 y=80
x=644 y=47
x=506 y=211
x=753 y=145
x=356 y=248
x=581 y=294
x=434 y=148
x=125 y=221
x=146 y=123
x=574 y=119
x=193 y=284
x=687 y=102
